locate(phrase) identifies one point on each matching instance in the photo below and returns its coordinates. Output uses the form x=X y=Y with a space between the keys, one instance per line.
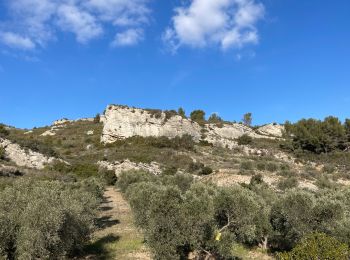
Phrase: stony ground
x=116 y=237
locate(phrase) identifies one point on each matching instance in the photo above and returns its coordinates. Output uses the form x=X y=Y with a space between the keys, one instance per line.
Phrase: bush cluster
x=179 y=216
x=318 y=136
x=46 y=219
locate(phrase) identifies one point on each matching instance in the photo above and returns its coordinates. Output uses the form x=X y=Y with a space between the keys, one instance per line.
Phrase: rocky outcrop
x=23 y=157
x=127 y=165
x=64 y=121
x=274 y=130
x=121 y=122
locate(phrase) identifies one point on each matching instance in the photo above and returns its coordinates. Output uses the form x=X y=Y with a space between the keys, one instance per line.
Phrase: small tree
x=97 y=119
x=181 y=112
x=214 y=119
x=247 y=119
x=198 y=116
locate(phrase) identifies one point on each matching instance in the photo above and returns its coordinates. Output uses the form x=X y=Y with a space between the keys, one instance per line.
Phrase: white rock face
x=275 y=130
x=122 y=122
x=23 y=157
x=127 y=165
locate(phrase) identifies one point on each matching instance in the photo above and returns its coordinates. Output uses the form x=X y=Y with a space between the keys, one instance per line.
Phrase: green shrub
x=323 y=182
x=271 y=167
x=247 y=165
x=288 y=183
x=317 y=246
x=244 y=140
x=2 y=153
x=198 y=116
x=261 y=166
x=3 y=131
x=109 y=177
x=45 y=220
x=130 y=177
x=206 y=170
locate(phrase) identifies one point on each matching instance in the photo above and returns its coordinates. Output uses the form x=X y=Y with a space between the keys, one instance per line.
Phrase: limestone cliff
x=121 y=122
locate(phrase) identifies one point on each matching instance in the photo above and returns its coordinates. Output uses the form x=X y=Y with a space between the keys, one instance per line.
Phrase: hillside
x=182 y=151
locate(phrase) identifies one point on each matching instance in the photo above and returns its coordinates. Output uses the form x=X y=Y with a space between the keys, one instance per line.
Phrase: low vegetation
x=46 y=219
x=207 y=220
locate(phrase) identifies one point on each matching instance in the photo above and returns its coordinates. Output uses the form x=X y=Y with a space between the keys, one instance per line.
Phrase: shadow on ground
x=98 y=249
x=106 y=222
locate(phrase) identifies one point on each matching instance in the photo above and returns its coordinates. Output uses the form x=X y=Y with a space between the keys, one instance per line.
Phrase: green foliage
x=97 y=119
x=247 y=165
x=199 y=168
x=198 y=116
x=130 y=177
x=244 y=140
x=45 y=220
x=247 y=119
x=317 y=246
x=108 y=176
x=169 y=114
x=3 y=131
x=289 y=183
x=317 y=136
x=2 y=153
x=215 y=119
x=181 y=112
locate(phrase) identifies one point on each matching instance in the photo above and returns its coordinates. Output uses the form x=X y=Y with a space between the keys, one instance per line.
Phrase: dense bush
x=198 y=116
x=289 y=183
x=318 y=136
x=45 y=220
x=199 y=168
x=2 y=153
x=317 y=246
x=244 y=140
x=109 y=176
x=179 y=215
x=3 y=131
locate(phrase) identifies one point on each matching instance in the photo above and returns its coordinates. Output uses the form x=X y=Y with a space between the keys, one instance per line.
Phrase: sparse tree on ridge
x=247 y=119
x=181 y=112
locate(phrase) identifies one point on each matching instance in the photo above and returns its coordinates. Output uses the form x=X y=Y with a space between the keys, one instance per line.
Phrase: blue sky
x=277 y=59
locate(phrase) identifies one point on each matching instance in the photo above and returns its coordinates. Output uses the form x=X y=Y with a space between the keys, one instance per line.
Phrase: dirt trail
x=116 y=236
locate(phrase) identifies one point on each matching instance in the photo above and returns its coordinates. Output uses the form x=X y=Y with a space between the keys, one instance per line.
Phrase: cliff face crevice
x=122 y=122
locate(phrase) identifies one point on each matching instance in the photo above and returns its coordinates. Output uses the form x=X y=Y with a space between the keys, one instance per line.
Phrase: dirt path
x=117 y=237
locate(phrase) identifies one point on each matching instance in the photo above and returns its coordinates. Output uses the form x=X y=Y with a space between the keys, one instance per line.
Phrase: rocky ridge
x=121 y=122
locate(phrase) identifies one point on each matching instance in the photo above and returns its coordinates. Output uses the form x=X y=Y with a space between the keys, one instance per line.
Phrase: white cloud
x=37 y=22
x=16 y=41
x=226 y=23
x=128 y=38
x=79 y=22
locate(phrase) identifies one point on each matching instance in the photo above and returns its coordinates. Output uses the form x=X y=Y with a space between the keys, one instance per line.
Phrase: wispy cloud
x=16 y=41
x=128 y=38
x=34 y=23
x=224 y=23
